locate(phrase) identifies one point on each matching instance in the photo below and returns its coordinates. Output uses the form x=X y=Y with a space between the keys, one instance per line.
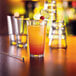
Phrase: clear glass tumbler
x=21 y=32
x=57 y=37
x=11 y=29
x=36 y=37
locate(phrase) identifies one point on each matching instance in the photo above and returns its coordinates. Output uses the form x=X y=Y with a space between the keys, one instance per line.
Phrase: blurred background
x=66 y=10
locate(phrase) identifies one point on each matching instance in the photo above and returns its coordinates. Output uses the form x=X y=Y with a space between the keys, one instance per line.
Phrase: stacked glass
x=17 y=30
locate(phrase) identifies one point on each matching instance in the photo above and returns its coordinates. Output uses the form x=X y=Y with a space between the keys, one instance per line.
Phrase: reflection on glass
x=55 y=65
x=11 y=29
x=59 y=55
x=59 y=59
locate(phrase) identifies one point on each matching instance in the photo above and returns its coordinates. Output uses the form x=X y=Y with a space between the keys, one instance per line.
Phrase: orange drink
x=36 y=37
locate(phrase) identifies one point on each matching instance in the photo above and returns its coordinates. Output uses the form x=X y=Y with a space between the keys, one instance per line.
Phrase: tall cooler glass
x=36 y=37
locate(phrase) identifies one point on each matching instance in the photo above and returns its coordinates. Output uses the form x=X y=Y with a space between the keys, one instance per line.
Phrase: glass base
x=25 y=45
x=58 y=47
x=41 y=55
x=12 y=42
x=21 y=45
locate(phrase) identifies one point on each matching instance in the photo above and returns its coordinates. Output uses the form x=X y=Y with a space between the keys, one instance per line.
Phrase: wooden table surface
x=54 y=63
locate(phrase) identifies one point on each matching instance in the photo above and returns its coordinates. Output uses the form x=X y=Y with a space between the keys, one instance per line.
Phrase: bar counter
x=56 y=62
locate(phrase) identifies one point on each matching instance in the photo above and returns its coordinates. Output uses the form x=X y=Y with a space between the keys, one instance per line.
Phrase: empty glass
x=11 y=29
x=57 y=37
x=21 y=32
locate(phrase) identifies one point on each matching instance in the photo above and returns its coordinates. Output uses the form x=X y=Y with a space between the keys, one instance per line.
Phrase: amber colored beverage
x=21 y=40
x=36 y=36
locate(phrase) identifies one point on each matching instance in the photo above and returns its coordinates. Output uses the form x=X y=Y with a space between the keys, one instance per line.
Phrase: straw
x=17 y=57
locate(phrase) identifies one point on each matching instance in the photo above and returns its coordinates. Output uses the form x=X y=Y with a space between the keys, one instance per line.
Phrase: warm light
x=49 y=0
x=14 y=0
x=20 y=45
x=48 y=25
x=16 y=6
x=74 y=4
x=16 y=14
x=13 y=43
x=35 y=0
x=37 y=10
x=60 y=13
x=70 y=13
x=23 y=39
x=17 y=11
x=37 y=16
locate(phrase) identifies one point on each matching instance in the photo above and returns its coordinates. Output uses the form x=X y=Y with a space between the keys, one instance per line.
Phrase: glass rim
x=36 y=20
x=55 y=21
x=23 y=19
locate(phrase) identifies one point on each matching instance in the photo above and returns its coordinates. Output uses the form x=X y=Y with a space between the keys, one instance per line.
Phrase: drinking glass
x=36 y=37
x=11 y=29
x=21 y=32
x=57 y=35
